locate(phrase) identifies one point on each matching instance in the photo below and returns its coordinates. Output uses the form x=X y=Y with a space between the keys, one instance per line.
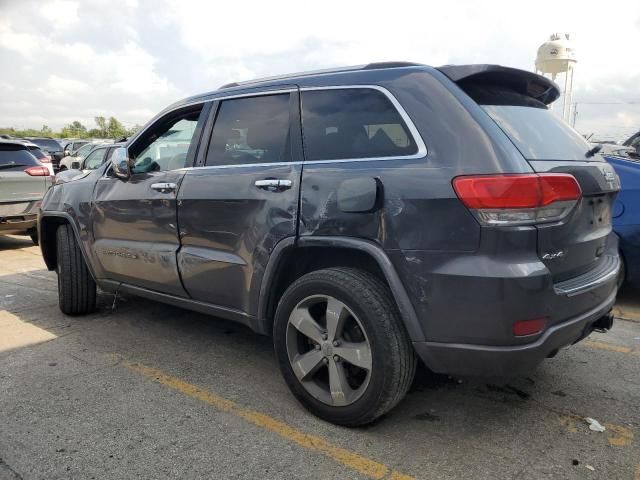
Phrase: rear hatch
x=23 y=181
x=517 y=101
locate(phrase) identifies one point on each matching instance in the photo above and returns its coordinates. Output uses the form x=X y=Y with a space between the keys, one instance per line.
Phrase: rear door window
x=251 y=130
x=353 y=123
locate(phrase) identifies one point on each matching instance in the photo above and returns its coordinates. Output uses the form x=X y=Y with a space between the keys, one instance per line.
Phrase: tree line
x=105 y=128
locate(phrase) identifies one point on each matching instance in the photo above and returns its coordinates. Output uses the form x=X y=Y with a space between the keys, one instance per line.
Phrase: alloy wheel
x=328 y=350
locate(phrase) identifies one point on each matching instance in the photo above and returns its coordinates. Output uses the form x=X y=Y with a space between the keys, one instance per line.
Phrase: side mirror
x=120 y=164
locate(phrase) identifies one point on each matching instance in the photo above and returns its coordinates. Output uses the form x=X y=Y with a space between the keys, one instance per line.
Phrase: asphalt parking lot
x=144 y=390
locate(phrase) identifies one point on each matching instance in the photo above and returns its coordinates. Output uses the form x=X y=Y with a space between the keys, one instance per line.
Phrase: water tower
x=556 y=57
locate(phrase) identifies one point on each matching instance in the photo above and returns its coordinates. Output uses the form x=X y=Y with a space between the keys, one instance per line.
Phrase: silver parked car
x=23 y=182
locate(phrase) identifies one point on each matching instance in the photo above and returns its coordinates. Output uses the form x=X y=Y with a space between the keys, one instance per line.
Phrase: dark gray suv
x=363 y=217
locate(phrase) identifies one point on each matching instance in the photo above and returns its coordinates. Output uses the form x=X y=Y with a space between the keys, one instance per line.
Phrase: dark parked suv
x=50 y=146
x=364 y=217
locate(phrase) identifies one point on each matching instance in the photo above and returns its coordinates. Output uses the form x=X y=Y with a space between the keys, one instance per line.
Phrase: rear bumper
x=17 y=225
x=471 y=359
x=467 y=304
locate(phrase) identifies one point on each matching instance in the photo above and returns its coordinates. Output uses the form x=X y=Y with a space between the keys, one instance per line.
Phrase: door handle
x=273 y=183
x=164 y=187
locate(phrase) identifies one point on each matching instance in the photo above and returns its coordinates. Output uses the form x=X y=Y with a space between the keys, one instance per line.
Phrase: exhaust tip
x=604 y=323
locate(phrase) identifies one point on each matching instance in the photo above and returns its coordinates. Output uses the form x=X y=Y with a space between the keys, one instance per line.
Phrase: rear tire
x=34 y=236
x=368 y=321
x=76 y=287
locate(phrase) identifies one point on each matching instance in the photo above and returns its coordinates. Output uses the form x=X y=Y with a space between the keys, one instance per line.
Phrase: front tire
x=341 y=346
x=76 y=287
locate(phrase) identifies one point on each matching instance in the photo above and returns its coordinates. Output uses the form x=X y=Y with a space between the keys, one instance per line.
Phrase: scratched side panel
x=228 y=228
x=418 y=209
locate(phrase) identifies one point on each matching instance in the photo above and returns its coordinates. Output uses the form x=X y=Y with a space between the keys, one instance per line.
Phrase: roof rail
x=369 y=66
x=379 y=65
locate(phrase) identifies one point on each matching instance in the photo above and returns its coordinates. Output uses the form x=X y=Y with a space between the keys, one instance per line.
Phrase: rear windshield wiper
x=593 y=151
x=11 y=165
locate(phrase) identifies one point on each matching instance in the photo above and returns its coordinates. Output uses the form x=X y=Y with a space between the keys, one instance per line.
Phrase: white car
x=74 y=161
x=614 y=149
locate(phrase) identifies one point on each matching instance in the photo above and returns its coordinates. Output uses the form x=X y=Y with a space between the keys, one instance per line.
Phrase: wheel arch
x=291 y=259
x=48 y=223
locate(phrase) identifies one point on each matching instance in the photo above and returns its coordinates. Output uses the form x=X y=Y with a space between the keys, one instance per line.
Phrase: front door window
x=166 y=146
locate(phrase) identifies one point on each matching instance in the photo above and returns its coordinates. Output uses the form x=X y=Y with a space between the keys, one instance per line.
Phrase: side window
x=353 y=123
x=94 y=159
x=251 y=130
x=166 y=144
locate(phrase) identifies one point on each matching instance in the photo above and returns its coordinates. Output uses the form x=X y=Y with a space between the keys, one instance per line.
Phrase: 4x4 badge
x=609 y=176
x=553 y=255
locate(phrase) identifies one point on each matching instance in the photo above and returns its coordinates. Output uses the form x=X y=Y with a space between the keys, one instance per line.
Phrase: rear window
x=353 y=123
x=48 y=144
x=13 y=158
x=540 y=134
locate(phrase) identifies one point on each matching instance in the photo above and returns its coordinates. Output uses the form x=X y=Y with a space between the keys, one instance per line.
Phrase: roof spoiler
x=524 y=82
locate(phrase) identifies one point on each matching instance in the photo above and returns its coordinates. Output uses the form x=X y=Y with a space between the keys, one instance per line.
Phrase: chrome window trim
x=244 y=165
x=422 y=148
x=202 y=102
x=413 y=131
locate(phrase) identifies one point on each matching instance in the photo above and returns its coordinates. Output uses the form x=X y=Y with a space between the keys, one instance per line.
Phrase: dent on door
x=229 y=224
x=136 y=232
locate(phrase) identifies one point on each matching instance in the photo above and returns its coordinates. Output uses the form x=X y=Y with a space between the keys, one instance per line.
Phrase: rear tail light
x=528 y=327
x=37 y=171
x=518 y=199
x=45 y=159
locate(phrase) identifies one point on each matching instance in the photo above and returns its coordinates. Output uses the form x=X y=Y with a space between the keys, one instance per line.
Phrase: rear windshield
x=47 y=143
x=15 y=159
x=539 y=133
x=535 y=130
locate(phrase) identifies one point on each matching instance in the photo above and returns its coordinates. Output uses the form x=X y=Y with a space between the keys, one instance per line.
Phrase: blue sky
x=65 y=60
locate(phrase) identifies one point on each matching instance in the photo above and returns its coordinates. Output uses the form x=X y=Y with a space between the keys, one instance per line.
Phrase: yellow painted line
x=608 y=346
x=628 y=313
x=637 y=475
x=345 y=457
x=617 y=435
x=620 y=437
